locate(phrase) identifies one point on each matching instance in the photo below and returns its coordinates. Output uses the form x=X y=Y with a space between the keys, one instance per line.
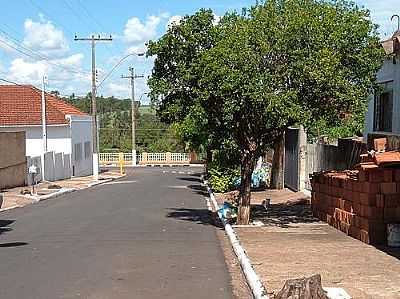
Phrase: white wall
x=58 y=139
x=388 y=72
x=81 y=132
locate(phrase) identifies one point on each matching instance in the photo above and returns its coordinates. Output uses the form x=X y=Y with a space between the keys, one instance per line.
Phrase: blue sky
x=44 y=31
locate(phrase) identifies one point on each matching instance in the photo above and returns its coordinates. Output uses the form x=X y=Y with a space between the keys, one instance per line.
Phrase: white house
x=383 y=114
x=69 y=130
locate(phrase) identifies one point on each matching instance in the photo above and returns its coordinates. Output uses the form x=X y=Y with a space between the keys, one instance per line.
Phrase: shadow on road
x=199 y=216
x=12 y=244
x=199 y=189
x=4 y=226
x=190 y=179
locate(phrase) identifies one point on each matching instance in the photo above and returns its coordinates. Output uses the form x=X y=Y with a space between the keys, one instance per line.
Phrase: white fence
x=57 y=167
x=144 y=158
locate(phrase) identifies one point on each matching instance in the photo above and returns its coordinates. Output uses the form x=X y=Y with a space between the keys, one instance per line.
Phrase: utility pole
x=44 y=126
x=132 y=77
x=93 y=39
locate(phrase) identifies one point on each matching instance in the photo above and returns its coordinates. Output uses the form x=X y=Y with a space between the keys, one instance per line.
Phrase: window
x=88 y=149
x=383 y=108
x=78 y=151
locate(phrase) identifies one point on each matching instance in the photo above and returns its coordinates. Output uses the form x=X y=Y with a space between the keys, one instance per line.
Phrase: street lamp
x=117 y=65
x=132 y=77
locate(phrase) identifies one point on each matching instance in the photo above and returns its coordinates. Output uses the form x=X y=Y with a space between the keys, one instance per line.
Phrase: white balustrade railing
x=145 y=158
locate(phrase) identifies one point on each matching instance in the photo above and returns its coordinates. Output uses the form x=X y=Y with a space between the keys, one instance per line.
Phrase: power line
x=41 y=10
x=35 y=56
x=78 y=16
x=17 y=46
x=99 y=24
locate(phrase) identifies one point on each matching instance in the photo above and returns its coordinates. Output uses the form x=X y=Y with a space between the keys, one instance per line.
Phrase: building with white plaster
x=69 y=130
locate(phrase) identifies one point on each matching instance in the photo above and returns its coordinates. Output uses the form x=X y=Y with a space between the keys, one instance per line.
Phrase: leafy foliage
x=243 y=81
x=223 y=179
x=116 y=126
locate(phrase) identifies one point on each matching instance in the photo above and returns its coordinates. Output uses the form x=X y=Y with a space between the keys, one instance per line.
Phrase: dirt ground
x=293 y=244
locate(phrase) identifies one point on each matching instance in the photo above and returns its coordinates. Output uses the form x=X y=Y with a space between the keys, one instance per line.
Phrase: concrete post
x=302 y=158
x=144 y=158
x=168 y=158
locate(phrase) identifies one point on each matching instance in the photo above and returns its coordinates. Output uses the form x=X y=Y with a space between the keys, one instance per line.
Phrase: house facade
x=383 y=115
x=69 y=130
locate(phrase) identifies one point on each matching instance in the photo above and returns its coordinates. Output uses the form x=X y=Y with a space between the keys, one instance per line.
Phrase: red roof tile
x=21 y=105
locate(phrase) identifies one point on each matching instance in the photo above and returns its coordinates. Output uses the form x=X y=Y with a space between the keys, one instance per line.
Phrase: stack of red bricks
x=360 y=202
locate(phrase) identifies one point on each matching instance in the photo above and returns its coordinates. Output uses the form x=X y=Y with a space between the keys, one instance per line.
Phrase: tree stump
x=303 y=288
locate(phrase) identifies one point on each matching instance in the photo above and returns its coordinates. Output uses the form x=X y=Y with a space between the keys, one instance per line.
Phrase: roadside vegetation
x=237 y=83
x=114 y=114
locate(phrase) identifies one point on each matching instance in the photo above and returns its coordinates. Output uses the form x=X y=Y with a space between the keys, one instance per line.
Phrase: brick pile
x=359 y=202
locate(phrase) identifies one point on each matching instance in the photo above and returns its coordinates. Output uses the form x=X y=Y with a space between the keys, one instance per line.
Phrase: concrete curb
x=100 y=182
x=53 y=195
x=254 y=282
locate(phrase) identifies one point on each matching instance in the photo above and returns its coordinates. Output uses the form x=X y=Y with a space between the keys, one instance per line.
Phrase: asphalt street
x=146 y=236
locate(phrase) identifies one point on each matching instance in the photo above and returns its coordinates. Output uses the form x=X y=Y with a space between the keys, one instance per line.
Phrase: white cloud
x=136 y=32
x=174 y=20
x=60 y=73
x=217 y=19
x=45 y=38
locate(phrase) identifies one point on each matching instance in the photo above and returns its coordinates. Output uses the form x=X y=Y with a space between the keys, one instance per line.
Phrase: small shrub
x=222 y=179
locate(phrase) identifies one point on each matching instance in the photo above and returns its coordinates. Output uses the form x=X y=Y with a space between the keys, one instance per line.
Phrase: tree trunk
x=208 y=159
x=303 y=288
x=277 y=171
x=247 y=167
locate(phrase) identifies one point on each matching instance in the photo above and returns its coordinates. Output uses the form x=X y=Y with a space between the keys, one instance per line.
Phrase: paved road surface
x=146 y=236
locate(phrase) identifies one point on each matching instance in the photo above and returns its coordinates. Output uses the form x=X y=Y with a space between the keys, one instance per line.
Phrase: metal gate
x=292 y=161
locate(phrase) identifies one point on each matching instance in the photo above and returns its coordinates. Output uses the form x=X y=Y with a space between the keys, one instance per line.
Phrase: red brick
x=376 y=176
x=380 y=200
x=392 y=200
x=347 y=184
x=369 y=187
x=355 y=232
x=355 y=197
x=375 y=213
x=373 y=237
x=368 y=199
x=388 y=175
x=316 y=187
x=356 y=208
x=356 y=186
x=390 y=215
x=380 y=144
x=388 y=188
x=363 y=176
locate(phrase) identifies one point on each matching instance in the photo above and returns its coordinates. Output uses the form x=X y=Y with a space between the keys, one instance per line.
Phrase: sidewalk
x=293 y=244
x=13 y=198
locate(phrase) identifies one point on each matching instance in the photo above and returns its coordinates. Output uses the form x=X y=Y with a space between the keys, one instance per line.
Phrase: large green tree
x=175 y=79
x=280 y=63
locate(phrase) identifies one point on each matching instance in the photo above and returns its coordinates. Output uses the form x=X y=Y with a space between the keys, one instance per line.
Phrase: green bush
x=222 y=179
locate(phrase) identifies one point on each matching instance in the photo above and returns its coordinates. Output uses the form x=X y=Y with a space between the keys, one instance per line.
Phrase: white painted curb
x=256 y=286
x=99 y=182
x=54 y=195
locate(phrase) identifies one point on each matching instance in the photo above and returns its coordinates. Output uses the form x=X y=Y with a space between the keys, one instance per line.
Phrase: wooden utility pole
x=132 y=76
x=93 y=39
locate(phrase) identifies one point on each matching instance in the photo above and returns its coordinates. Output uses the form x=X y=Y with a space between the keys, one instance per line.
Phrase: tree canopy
x=252 y=75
